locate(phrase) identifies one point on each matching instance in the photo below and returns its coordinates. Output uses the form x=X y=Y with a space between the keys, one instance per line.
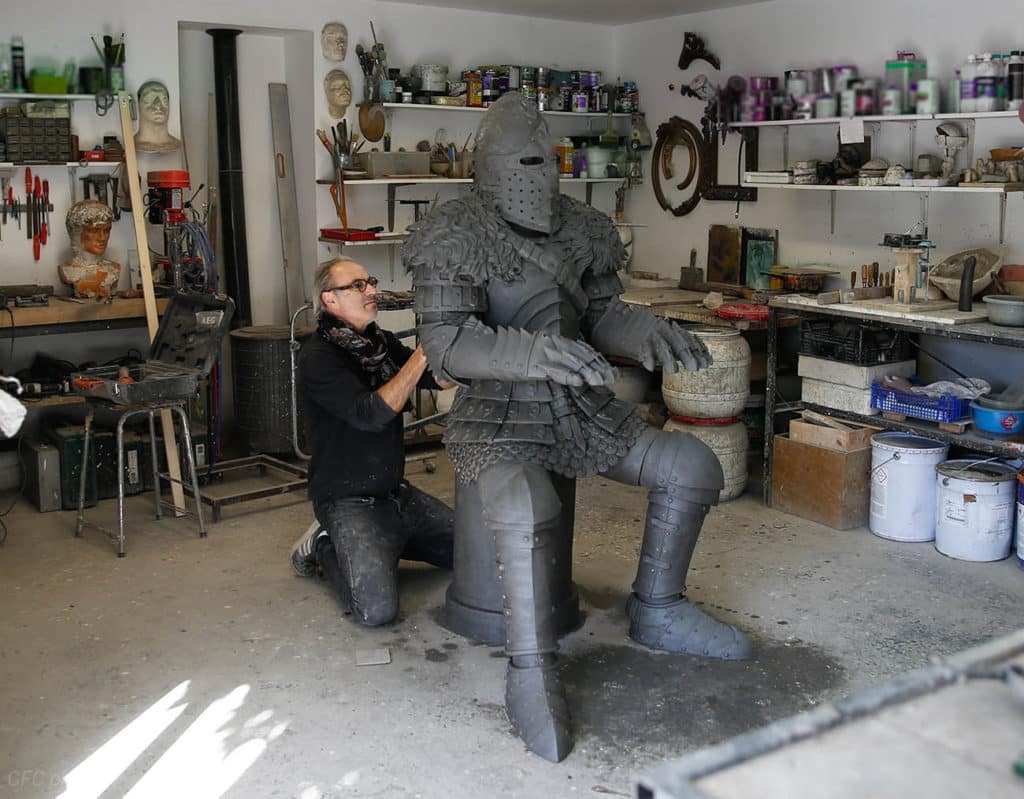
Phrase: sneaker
x=304 y=551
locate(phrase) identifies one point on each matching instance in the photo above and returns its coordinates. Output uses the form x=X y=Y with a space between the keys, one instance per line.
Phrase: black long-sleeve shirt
x=354 y=437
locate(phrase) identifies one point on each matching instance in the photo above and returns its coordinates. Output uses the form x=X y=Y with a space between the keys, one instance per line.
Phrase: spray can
x=1015 y=81
x=19 y=82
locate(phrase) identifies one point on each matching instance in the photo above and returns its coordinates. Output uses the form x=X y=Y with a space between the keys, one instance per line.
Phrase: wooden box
x=823 y=485
x=848 y=438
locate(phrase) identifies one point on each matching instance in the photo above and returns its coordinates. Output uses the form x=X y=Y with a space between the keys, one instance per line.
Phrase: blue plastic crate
x=934 y=409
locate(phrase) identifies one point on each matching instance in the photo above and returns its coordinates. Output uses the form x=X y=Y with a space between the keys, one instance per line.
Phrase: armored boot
x=660 y=615
x=522 y=511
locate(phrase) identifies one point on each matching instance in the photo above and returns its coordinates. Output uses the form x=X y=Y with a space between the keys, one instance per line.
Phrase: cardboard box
x=382 y=165
x=823 y=485
x=855 y=437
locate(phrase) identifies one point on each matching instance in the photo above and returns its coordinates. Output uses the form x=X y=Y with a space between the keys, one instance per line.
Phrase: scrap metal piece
x=373 y=657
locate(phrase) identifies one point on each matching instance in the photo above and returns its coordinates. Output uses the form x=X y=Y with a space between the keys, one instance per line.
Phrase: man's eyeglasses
x=359 y=285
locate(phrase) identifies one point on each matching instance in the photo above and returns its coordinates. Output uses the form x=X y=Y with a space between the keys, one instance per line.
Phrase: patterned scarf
x=370 y=347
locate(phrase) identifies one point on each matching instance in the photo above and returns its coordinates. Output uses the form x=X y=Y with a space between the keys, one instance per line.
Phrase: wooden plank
x=59 y=312
x=828 y=421
x=131 y=176
x=945 y=315
x=656 y=297
x=848 y=440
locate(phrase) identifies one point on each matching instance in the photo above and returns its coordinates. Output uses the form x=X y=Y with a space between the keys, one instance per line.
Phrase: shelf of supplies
x=77 y=164
x=385 y=238
x=785 y=123
x=576 y=114
x=393 y=181
x=25 y=96
x=897 y=189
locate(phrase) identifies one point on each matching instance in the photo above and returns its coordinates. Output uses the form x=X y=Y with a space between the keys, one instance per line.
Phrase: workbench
x=62 y=316
x=780 y=310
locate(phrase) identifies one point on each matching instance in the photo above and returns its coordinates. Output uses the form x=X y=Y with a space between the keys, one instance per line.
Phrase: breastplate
x=535 y=302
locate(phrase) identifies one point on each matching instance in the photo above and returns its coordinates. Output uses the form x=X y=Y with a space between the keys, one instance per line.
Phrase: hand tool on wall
x=44 y=231
x=37 y=212
x=864 y=275
x=29 y=224
x=853 y=279
x=13 y=206
x=874 y=274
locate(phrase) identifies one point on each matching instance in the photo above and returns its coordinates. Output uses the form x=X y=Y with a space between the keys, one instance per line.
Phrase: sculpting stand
x=473 y=603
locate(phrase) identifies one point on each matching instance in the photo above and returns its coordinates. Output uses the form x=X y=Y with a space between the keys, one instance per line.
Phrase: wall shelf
x=473 y=109
x=787 y=123
x=386 y=238
x=412 y=180
x=890 y=189
x=27 y=96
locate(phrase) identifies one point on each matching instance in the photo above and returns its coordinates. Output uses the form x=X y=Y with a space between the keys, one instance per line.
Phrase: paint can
x=892 y=101
x=842 y=75
x=974 y=509
x=847 y=102
x=1020 y=518
x=903 y=485
x=727 y=438
x=825 y=107
x=514 y=77
x=865 y=100
x=929 y=92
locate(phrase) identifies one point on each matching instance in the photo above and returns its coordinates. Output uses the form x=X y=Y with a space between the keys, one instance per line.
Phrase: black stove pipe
x=229 y=155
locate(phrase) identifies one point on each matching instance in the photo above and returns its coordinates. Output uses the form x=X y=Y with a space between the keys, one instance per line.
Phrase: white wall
x=412 y=34
x=767 y=39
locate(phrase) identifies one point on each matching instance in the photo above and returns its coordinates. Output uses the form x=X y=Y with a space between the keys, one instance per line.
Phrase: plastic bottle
x=1015 y=81
x=999 y=67
x=19 y=81
x=570 y=154
x=985 y=86
x=968 y=103
x=5 y=68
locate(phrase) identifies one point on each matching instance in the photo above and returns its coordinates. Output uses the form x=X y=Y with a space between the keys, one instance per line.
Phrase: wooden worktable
x=61 y=316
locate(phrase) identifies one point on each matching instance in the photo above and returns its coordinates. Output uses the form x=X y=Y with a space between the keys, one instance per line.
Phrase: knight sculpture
x=517 y=300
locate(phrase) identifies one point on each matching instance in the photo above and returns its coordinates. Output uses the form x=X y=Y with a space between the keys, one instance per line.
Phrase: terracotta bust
x=87 y=272
x=154 y=108
x=334 y=41
x=338 y=89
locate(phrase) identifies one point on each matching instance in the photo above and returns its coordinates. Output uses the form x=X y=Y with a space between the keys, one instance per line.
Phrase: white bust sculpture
x=338 y=89
x=334 y=41
x=154 y=108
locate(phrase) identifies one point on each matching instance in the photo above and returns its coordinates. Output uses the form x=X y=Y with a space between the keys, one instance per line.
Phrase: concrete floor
x=203 y=668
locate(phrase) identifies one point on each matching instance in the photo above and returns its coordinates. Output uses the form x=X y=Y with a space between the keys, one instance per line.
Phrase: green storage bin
x=47 y=84
x=68 y=440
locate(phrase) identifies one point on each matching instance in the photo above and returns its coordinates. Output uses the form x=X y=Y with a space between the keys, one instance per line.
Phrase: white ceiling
x=607 y=12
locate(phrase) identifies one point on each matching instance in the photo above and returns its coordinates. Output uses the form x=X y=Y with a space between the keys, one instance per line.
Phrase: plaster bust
x=87 y=272
x=338 y=89
x=154 y=108
x=334 y=41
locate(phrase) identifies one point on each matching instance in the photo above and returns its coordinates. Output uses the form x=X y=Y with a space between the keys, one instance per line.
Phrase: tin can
x=595 y=80
x=543 y=77
x=581 y=101
x=474 y=89
x=502 y=84
x=514 y=77
x=865 y=101
x=847 y=102
x=490 y=78
x=565 y=91
x=892 y=101
x=928 y=93
x=527 y=75
x=574 y=79
x=407 y=97
x=529 y=90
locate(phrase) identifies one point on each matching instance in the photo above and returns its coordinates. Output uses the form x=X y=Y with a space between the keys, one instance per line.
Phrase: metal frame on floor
x=263 y=463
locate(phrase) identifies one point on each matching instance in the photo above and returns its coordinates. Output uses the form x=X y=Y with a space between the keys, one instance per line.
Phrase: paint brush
x=322 y=135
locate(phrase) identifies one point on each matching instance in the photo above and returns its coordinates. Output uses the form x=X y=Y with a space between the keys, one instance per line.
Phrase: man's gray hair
x=322 y=278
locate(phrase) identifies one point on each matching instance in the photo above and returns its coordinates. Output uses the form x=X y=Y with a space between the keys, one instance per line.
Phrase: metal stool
x=127 y=412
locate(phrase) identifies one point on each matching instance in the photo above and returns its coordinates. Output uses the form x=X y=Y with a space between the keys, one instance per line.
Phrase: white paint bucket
x=903 y=486
x=974 y=509
x=728 y=441
x=721 y=390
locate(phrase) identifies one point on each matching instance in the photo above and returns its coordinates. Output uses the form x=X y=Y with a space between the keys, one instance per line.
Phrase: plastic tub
x=1005 y=309
x=1001 y=422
